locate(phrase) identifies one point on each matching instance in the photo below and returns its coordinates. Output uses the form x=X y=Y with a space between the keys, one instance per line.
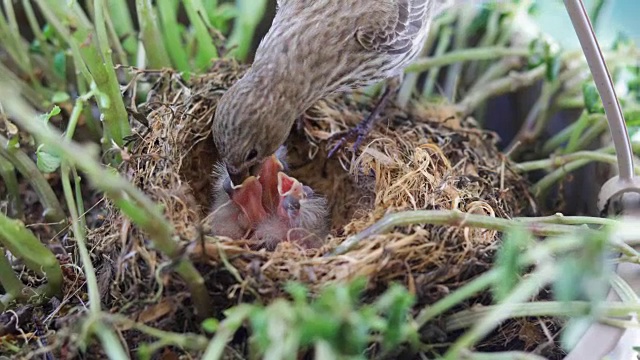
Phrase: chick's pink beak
x=268 y=178
x=288 y=185
x=248 y=196
x=290 y=191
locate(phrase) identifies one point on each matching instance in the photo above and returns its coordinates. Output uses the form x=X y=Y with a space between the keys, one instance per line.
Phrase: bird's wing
x=396 y=25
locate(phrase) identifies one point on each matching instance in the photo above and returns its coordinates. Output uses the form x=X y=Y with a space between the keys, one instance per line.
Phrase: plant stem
x=566 y=309
x=53 y=212
x=410 y=79
x=14 y=44
x=464 y=292
x=556 y=162
x=442 y=217
x=501 y=86
x=171 y=31
x=597 y=122
x=582 y=158
x=581 y=124
x=34 y=97
x=9 y=280
x=150 y=35
x=465 y=18
x=495 y=71
x=185 y=340
x=123 y=24
x=79 y=232
x=604 y=84
x=525 y=290
x=200 y=21
x=96 y=60
x=505 y=355
x=7 y=172
x=225 y=331
x=473 y=54
x=131 y=201
x=110 y=342
x=25 y=245
x=250 y=12
x=559 y=218
x=37 y=32
x=113 y=34
x=443 y=44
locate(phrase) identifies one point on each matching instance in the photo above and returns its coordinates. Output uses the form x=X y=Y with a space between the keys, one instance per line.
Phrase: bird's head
x=251 y=122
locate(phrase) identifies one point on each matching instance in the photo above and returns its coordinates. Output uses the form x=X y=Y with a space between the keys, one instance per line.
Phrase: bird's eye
x=253 y=154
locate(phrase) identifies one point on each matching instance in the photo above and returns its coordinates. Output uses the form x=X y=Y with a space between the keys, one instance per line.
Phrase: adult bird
x=315 y=48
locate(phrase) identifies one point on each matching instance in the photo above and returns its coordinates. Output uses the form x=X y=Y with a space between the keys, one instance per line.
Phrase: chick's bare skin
x=237 y=209
x=227 y=218
x=301 y=216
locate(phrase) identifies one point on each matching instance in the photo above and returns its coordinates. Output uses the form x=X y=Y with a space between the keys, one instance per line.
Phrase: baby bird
x=301 y=216
x=236 y=210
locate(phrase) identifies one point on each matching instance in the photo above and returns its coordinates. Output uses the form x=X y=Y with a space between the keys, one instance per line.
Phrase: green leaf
x=632 y=117
x=297 y=291
x=536 y=50
x=144 y=351
x=46 y=117
x=60 y=97
x=553 y=67
x=210 y=325
x=60 y=64
x=566 y=286
x=47 y=161
x=592 y=100
x=14 y=142
x=35 y=47
x=48 y=31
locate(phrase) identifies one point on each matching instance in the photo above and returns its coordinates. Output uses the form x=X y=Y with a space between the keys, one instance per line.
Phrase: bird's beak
x=248 y=196
x=237 y=176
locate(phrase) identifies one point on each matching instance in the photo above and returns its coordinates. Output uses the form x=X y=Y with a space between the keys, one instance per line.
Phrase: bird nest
x=422 y=158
